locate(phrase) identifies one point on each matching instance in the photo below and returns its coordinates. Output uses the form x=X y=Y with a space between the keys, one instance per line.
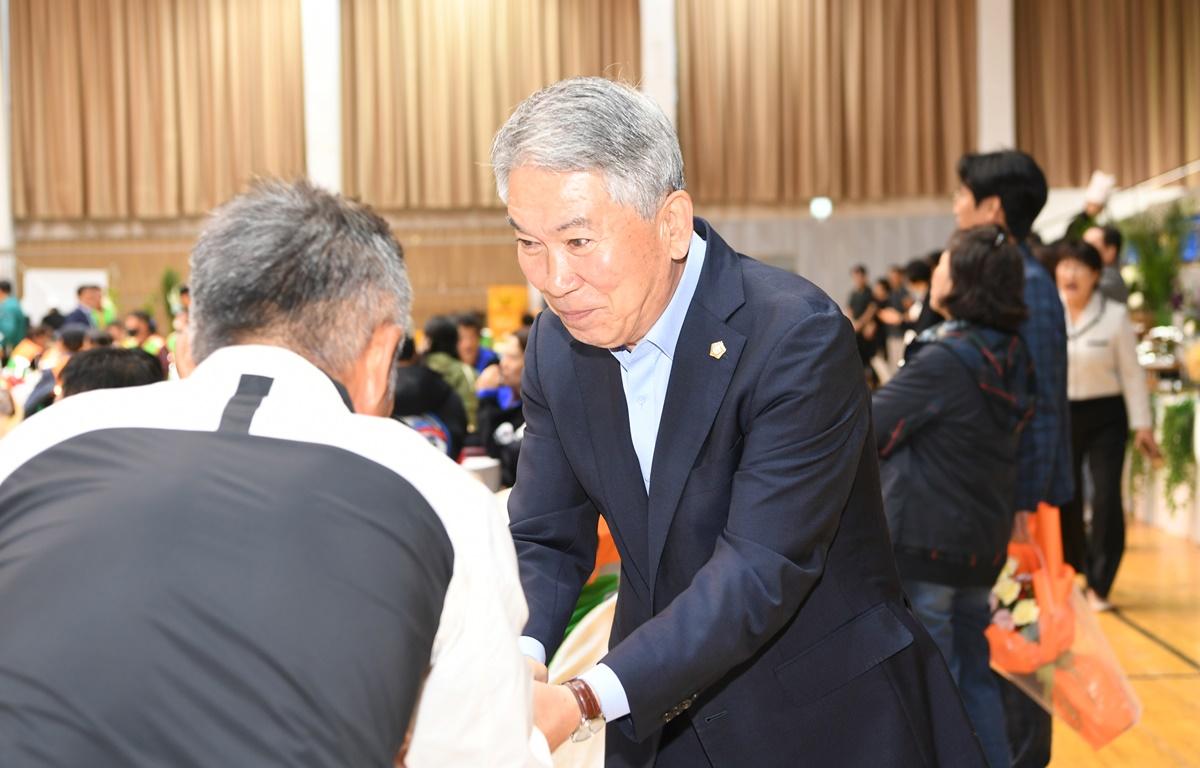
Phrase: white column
x=659 y=63
x=321 y=40
x=8 y=259
x=995 y=74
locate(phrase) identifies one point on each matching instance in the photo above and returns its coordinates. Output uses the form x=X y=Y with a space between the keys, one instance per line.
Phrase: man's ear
x=369 y=381
x=675 y=224
x=994 y=210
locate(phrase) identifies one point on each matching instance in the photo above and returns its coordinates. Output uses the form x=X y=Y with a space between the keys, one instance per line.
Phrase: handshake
x=557 y=709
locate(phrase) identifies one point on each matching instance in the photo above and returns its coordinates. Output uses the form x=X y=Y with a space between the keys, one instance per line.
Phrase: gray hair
x=299 y=266
x=593 y=124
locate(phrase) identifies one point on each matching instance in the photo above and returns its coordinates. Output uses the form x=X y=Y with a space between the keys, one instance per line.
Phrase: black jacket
x=502 y=442
x=948 y=427
x=425 y=402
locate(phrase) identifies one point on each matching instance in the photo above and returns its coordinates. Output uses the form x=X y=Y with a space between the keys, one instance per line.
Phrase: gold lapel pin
x=717 y=350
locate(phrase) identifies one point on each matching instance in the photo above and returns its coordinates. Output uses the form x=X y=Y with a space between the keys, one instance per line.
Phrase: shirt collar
x=664 y=334
x=1093 y=310
x=290 y=370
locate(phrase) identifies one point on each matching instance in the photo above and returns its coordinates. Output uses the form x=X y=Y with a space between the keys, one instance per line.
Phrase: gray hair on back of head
x=594 y=124
x=295 y=265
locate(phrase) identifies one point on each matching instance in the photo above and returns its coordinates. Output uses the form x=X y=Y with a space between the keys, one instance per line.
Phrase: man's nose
x=560 y=277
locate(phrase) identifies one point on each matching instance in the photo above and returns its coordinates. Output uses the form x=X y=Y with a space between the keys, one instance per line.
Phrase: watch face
x=587 y=729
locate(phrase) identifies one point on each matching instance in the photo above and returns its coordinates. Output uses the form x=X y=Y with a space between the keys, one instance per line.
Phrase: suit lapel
x=694 y=394
x=599 y=377
x=697 y=385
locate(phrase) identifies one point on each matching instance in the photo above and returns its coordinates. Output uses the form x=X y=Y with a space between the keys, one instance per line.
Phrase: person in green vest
x=13 y=324
x=141 y=333
x=441 y=356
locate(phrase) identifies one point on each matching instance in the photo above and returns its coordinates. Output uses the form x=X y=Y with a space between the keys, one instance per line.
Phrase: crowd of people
x=252 y=563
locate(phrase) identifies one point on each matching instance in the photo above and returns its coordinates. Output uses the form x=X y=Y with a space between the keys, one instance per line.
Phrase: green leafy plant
x=1157 y=237
x=1179 y=457
x=167 y=296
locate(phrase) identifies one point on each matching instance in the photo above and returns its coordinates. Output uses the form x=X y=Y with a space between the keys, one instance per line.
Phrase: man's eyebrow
x=578 y=221
x=513 y=224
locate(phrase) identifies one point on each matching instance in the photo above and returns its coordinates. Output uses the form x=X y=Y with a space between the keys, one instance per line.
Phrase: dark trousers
x=1030 y=727
x=956 y=618
x=1099 y=433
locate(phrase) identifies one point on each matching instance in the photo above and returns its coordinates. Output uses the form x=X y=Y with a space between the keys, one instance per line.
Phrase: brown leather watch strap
x=585 y=697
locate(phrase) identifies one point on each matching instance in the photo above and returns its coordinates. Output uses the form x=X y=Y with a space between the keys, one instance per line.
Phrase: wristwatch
x=591 y=718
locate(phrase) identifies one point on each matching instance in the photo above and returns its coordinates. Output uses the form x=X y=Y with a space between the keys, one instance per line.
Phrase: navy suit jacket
x=759 y=599
x=80 y=316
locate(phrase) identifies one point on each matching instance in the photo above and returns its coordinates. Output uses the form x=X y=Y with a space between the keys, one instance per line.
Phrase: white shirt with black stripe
x=475 y=705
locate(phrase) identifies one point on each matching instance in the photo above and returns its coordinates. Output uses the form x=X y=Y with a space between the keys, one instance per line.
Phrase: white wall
x=824 y=251
x=995 y=75
x=8 y=260
x=320 y=28
x=659 y=44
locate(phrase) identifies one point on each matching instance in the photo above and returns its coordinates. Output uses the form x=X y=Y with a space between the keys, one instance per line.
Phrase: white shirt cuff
x=604 y=682
x=532 y=648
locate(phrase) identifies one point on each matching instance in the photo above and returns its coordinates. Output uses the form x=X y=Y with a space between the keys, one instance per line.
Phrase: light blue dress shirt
x=645 y=373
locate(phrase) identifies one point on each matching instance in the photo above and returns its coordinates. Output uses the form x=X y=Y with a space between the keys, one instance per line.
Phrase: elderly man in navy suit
x=713 y=410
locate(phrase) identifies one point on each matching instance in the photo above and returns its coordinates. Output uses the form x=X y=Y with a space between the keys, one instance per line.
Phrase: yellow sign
x=505 y=306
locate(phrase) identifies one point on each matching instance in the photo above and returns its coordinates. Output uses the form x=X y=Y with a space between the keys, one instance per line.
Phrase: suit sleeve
x=553 y=522
x=810 y=425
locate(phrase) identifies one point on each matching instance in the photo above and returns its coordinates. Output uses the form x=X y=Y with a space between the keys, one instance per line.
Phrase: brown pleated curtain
x=783 y=100
x=1108 y=84
x=151 y=108
x=427 y=83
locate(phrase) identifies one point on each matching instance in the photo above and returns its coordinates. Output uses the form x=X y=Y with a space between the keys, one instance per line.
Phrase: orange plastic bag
x=1065 y=663
x=1092 y=696
x=1037 y=550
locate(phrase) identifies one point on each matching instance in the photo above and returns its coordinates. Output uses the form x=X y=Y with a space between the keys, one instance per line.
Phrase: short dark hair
x=5 y=286
x=522 y=337
x=109 y=368
x=72 y=336
x=442 y=333
x=99 y=337
x=987 y=275
x=473 y=320
x=407 y=350
x=859 y=269
x=144 y=316
x=918 y=271
x=1113 y=237
x=1077 y=250
x=41 y=330
x=86 y=287
x=54 y=319
x=1014 y=177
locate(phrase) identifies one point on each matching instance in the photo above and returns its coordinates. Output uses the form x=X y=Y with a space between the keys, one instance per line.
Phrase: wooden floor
x=1156 y=635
